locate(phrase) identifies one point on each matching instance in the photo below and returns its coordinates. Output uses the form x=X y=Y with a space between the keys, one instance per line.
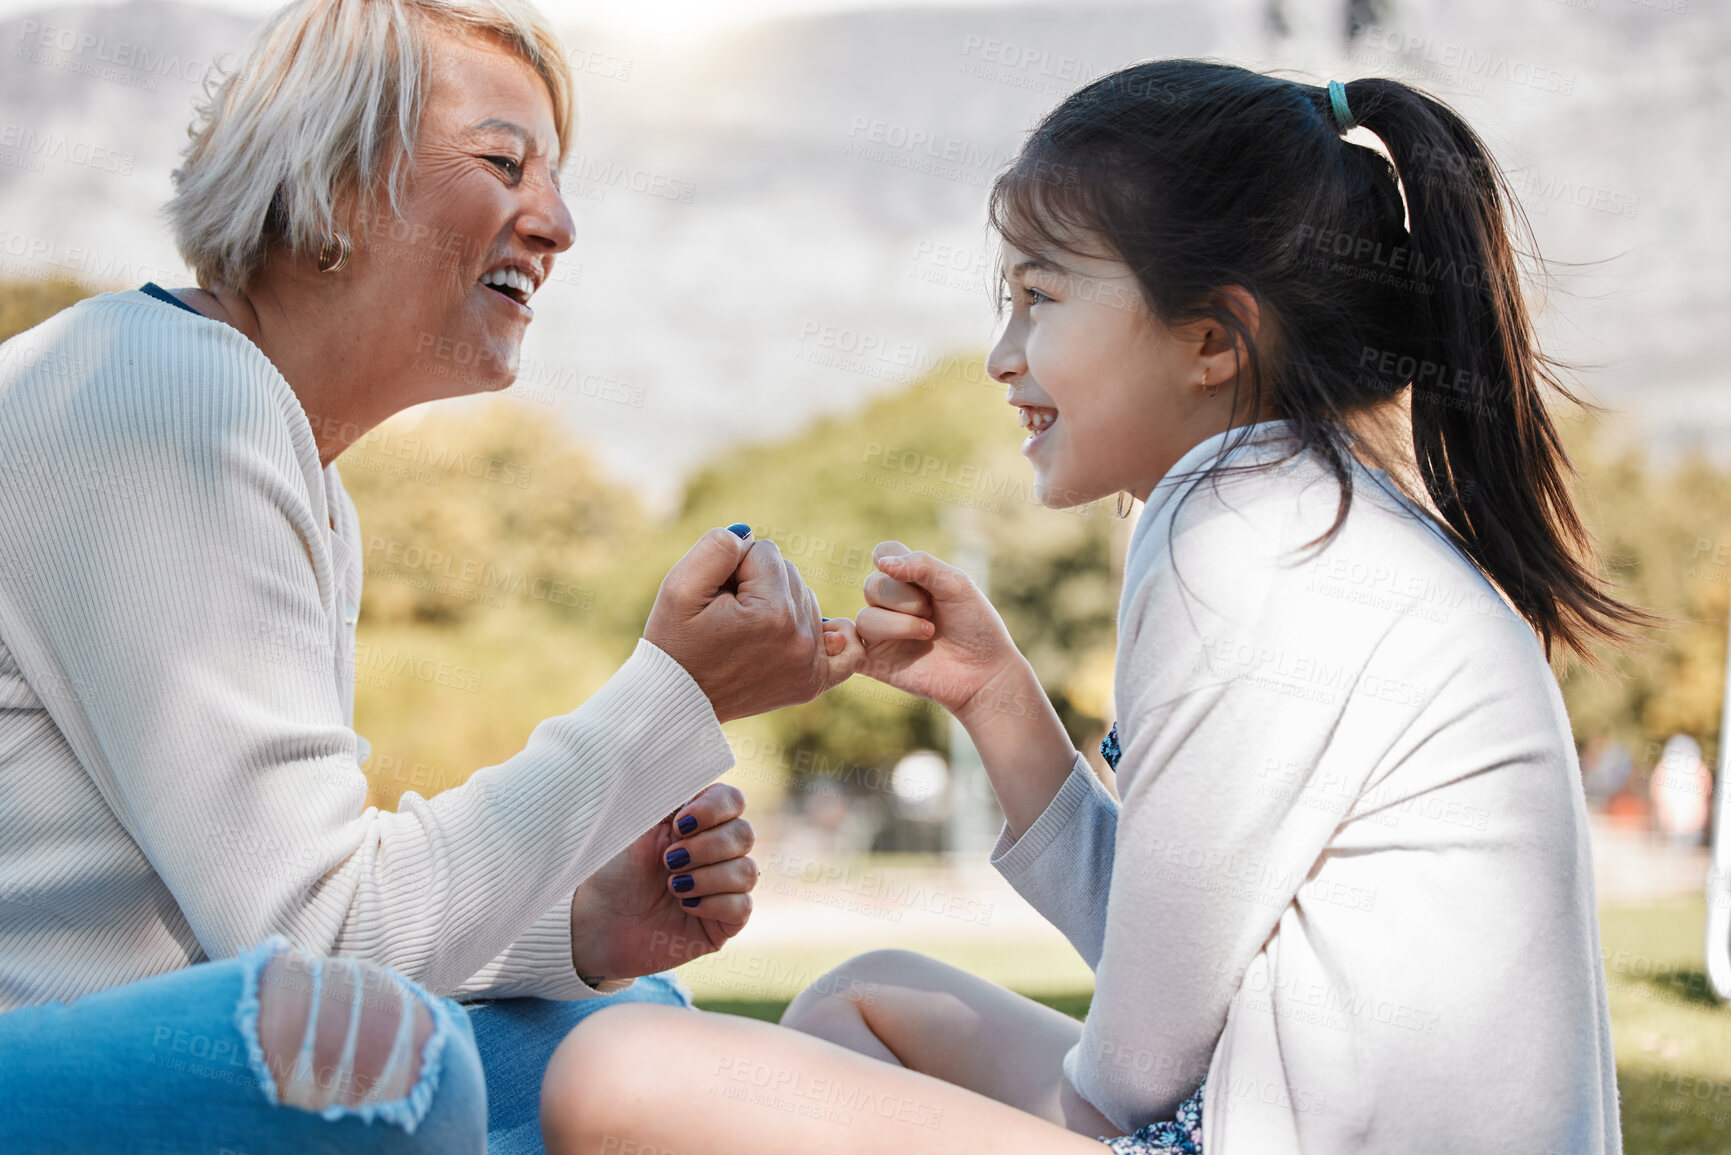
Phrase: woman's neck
x=337 y=406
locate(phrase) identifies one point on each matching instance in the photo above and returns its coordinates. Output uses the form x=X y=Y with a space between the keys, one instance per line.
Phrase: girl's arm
x=930 y=631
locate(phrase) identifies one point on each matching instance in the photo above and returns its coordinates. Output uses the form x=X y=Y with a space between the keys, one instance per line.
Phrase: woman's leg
x=902 y=1007
x=517 y=1038
x=645 y=1080
x=268 y=1052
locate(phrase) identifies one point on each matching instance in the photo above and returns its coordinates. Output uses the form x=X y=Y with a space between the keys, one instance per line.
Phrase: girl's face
x=1111 y=396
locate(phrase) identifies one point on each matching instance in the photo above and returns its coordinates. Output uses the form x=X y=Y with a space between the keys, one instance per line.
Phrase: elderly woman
x=180 y=778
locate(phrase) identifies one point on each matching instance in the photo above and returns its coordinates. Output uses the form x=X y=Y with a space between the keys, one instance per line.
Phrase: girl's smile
x=1037 y=419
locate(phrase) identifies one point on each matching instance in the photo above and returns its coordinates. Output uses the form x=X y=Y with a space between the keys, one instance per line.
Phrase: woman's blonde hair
x=322 y=111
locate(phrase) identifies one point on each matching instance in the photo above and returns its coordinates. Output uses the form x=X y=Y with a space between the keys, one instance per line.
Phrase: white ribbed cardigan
x=1350 y=880
x=179 y=771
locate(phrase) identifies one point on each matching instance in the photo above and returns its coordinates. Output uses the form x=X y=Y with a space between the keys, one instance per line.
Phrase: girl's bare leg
x=638 y=1078
x=901 y=1007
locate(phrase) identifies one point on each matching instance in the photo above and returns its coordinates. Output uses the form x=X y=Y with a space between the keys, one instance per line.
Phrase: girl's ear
x=1221 y=350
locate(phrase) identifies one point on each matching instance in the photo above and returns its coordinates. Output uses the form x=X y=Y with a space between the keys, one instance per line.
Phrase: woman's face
x=1111 y=396
x=451 y=278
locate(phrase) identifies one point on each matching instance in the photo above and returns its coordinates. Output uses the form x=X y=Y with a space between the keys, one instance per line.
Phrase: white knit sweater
x=179 y=772
x=1350 y=880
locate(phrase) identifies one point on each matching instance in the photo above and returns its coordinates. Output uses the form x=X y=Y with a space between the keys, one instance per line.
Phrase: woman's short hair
x=302 y=129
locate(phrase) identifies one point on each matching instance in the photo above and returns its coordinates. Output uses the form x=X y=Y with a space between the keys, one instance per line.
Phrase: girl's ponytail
x=1485 y=444
x=1202 y=176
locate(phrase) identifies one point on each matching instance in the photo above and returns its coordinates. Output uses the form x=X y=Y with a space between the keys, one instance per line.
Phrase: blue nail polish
x=678 y=858
x=689 y=901
x=683 y=882
x=739 y=529
x=687 y=824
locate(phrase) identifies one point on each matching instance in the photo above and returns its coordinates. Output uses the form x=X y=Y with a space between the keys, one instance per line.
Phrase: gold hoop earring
x=1124 y=510
x=1212 y=389
x=334 y=255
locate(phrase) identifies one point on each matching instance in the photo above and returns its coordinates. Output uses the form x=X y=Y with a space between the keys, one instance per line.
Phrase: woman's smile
x=515 y=283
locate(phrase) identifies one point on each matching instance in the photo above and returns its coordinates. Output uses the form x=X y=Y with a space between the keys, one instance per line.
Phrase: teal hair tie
x=1342 y=114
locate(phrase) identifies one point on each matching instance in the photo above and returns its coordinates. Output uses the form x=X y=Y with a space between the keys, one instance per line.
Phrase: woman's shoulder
x=129 y=386
x=128 y=357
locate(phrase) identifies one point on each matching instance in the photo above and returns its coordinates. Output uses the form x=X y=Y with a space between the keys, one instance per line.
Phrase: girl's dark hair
x=1201 y=176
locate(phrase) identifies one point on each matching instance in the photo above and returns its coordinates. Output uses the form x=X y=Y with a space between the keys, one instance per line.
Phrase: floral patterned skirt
x=1183 y=1134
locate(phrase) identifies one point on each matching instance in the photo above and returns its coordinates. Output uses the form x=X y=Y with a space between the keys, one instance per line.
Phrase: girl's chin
x=1052 y=493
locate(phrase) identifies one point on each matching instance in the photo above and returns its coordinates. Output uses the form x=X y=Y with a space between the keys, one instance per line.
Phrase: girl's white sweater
x=1350 y=879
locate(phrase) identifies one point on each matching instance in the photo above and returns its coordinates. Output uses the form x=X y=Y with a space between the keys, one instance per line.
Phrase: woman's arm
x=174 y=519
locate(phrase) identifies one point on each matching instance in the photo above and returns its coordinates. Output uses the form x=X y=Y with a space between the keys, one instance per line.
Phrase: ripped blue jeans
x=272 y=1052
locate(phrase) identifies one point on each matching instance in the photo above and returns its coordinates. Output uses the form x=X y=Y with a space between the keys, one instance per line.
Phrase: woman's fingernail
x=689 y=901
x=687 y=824
x=739 y=529
x=683 y=882
x=678 y=858
x=928 y=629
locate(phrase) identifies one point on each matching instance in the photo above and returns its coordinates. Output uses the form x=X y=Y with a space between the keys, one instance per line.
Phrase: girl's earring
x=1212 y=389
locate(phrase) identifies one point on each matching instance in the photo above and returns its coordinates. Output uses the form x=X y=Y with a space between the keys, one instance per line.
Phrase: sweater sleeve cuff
x=1016 y=857
x=651 y=674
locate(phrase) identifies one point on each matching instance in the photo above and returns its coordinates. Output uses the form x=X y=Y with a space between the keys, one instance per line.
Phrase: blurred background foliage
x=494 y=544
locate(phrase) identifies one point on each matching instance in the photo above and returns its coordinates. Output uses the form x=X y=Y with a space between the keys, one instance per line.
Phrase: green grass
x=1672 y=1038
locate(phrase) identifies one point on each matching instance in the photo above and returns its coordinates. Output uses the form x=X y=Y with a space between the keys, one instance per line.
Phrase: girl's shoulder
x=1269 y=530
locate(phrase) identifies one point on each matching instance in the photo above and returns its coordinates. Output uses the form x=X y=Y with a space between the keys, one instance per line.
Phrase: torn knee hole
x=334 y=1031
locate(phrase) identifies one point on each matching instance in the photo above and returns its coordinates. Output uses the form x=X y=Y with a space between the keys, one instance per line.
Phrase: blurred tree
x=1665 y=539
x=26 y=304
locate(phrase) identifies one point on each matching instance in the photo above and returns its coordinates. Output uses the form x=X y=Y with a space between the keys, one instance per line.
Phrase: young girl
x=1346 y=900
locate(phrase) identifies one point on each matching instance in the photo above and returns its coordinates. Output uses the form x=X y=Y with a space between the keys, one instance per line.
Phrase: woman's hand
x=747 y=628
x=929 y=630
x=678 y=893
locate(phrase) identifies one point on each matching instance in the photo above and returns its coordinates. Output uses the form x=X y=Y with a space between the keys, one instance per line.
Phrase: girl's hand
x=929 y=630
x=669 y=897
